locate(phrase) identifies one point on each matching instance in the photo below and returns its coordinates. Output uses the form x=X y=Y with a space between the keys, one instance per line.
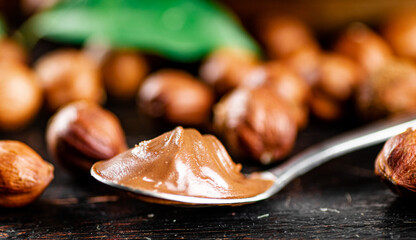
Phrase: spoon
x=296 y=166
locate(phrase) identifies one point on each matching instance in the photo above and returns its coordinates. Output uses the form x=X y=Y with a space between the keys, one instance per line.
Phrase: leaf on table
x=183 y=30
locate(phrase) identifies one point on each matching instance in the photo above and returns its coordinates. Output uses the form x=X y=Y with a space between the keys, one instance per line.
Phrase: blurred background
x=193 y=63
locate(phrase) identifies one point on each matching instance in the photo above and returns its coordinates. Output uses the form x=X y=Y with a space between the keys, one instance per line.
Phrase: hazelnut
x=338 y=76
x=389 y=91
x=336 y=80
x=286 y=84
x=177 y=96
x=400 y=32
x=20 y=95
x=325 y=107
x=395 y=165
x=123 y=72
x=12 y=51
x=283 y=35
x=364 y=46
x=69 y=75
x=24 y=175
x=255 y=122
x=82 y=133
x=225 y=68
x=305 y=62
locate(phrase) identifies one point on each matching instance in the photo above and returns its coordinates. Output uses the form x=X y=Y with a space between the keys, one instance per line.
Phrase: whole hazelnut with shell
x=400 y=32
x=365 y=46
x=284 y=35
x=389 y=91
x=225 y=68
x=286 y=84
x=83 y=132
x=20 y=96
x=176 y=96
x=338 y=79
x=395 y=165
x=68 y=75
x=123 y=72
x=24 y=175
x=255 y=122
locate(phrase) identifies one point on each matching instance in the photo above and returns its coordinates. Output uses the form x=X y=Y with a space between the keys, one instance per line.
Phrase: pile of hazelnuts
x=262 y=104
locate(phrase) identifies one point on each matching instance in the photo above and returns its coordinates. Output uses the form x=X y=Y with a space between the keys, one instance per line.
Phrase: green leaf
x=2 y=28
x=183 y=30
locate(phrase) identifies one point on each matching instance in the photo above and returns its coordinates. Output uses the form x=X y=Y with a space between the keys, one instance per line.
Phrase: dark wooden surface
x=341 y=199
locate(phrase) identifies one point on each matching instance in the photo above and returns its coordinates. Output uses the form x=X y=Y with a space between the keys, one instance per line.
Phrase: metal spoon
x=294 y=167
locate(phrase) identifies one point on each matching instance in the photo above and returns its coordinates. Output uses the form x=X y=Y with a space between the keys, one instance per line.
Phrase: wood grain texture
x=341 y=199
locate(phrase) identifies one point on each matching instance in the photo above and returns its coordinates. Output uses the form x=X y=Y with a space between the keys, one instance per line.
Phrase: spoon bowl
x=283 y=174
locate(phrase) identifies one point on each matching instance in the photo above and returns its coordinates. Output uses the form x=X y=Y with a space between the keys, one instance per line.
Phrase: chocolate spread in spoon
x=182 y=162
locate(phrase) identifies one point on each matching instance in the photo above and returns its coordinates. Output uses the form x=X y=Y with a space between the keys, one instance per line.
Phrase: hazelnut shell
x=24 y=175
x=68 y=75
x=20 y=95
x=123 y=72
x=82 y=133
x=395 y=165
x=225 y=68
x=176 y=96
x=255 y=122
x=389 y=91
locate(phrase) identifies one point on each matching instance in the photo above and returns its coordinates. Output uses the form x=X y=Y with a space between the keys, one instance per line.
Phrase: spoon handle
x=357 y=139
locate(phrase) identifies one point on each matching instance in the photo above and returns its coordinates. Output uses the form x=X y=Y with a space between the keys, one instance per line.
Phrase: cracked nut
x=20 y=96
x=177 y=96
x=82 y=133
x=68 y=75
x=24 y=175
x=123 y=72
x=395 y=165
x=255 y=122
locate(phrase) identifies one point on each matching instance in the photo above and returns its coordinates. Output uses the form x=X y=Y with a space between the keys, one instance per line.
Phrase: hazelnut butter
x=182 y=162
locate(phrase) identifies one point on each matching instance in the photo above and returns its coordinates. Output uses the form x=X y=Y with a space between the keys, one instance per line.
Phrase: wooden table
x=341 y=199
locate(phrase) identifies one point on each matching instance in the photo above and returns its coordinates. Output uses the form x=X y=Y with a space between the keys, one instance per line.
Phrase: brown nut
x=225 y=68
x=395 y=165
x=305 y=62
x=177 y=96
x=12 y=51
x=69 y=75
x=123 y=72
x=364 y=46
x=400 y=32
x=82 y=133
x=20 y=96
x=255 y=122
x=389 y=91
x=338 y=76
x=286 y=84
x=283 y=35
x=24 y=175
x=325 y=107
